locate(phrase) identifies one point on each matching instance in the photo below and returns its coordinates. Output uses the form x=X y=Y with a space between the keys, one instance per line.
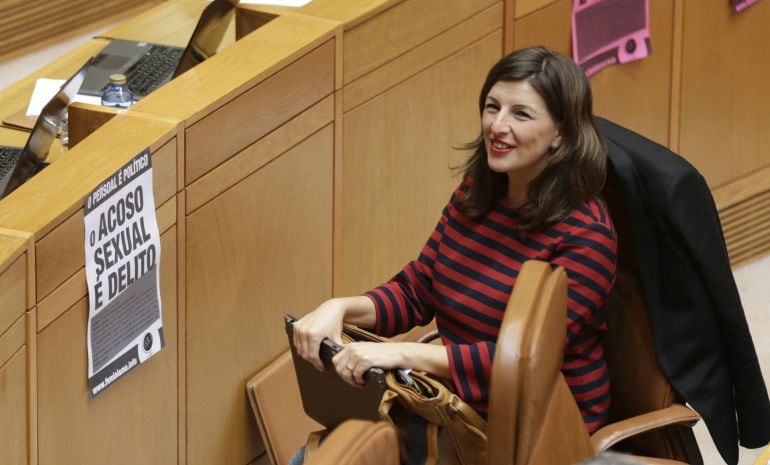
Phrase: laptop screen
x=327 y=398
x=35 y=151
x=208 y=34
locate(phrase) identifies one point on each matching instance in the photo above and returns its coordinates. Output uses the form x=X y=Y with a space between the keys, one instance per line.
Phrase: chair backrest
x=277 y=405
x=637 y=387
x=533 y=417
x=637 y=383
x=358 y=442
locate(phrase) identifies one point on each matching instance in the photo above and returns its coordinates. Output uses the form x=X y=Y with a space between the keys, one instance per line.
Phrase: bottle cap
x=117 y=79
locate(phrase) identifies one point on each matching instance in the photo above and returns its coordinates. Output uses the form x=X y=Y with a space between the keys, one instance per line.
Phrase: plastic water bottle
x=117 y=94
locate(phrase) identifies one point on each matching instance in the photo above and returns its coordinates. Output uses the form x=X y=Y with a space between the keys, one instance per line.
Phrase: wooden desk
x=180 y=405
x=277 y=163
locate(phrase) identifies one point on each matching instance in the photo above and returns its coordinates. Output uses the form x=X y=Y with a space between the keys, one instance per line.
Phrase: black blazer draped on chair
x=699 y=329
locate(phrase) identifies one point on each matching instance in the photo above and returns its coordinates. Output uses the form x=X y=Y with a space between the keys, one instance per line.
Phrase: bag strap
x=357 y=334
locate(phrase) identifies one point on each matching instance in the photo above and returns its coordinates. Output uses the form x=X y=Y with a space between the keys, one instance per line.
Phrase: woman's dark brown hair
x=574 y=172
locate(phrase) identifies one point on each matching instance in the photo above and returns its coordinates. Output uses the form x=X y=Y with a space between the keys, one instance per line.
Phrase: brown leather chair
x=277 y=405
x=531 y=406
x=358 y=442
x=533 y=417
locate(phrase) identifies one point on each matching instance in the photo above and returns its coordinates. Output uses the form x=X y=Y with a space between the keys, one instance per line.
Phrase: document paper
x=45 y=90
x=122 y=246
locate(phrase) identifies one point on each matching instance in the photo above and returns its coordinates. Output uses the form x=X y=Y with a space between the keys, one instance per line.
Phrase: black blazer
x=699 y=330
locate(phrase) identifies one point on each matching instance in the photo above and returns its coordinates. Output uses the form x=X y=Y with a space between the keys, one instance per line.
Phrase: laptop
x=18 y=164
x=148 y=66
x=327 y=398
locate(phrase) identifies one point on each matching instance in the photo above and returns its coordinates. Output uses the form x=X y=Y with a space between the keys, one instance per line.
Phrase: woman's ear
x=556 y=142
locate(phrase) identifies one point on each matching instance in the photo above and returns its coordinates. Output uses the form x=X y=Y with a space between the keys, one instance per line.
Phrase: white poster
x=122 y=246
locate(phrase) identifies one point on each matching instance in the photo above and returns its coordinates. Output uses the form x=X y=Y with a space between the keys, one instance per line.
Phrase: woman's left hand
x=356 y=358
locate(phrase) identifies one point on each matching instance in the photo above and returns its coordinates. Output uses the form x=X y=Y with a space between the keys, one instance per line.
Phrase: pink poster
x=608 y=32
x=741 y=5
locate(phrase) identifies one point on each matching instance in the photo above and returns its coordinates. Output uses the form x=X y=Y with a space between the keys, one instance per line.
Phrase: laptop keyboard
x=154 y=69
x=8 y=158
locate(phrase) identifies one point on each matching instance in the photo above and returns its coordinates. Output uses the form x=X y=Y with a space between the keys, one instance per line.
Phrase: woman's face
x=518 y=131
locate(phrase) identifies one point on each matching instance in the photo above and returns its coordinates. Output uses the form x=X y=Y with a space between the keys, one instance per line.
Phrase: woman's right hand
x=325 y=321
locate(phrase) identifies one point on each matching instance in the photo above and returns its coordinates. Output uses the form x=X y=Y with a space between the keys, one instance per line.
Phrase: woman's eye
x=491 y=106
x=522 y=114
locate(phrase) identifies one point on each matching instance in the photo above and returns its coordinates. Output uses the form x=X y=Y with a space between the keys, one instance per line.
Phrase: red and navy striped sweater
x=464 y=277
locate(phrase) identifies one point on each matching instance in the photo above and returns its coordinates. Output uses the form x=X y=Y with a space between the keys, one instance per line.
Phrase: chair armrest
x=611 y=434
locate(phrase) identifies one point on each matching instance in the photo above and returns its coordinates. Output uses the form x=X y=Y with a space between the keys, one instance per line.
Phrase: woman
x=529 y=192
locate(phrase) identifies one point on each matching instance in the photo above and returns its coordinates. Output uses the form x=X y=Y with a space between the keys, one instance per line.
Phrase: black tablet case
x=326 y=397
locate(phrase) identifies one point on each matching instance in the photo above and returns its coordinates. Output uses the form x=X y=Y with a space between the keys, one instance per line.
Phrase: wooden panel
x=14 y=244
x=60 y=253
x=264 y=246
x=13 y=394
x=61 y=299
x=645 y=110
x=12 y=339
x=13 y=286
x=83 y=119
x=259 y=154
x=525 y=7
x=248 y=20
x=164 y=172
x=30 y=24
x=399 y=29
x=422 y=57
x=725 y=97
x=13 y=409
x=393 y=188
x=135 y=420
x=256 y=112
x=166 y=215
